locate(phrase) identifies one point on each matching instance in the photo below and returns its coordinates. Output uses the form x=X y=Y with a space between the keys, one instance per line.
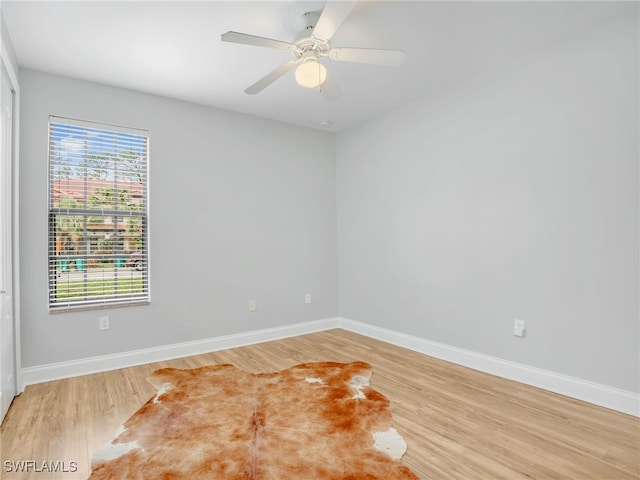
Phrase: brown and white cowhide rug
x=315 y=421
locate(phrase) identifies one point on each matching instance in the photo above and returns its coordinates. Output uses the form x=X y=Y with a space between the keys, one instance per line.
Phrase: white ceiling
x=173 y=48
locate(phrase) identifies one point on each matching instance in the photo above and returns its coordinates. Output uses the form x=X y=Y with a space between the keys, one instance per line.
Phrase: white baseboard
x=103 y=363
x=603 y=395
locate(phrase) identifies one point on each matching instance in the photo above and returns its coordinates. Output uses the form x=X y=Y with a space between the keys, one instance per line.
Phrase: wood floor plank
x=458 y=423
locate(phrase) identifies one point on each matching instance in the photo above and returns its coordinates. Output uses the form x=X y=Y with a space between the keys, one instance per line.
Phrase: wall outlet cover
x=104 y=323
x=519 y=328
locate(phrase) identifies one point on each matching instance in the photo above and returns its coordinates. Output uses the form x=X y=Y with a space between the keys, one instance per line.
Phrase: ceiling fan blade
x=391 y=58
x=268 y=79
x=330 y=89
x=235 y=37
x=334 y=14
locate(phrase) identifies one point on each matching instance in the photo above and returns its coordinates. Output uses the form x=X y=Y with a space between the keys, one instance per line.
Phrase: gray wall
x=8 y=46
x=510 y=195
x=241 y=208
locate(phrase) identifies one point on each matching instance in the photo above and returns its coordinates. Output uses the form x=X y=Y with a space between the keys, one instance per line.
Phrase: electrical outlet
x=519 y=328
x=104 y=323
x=253 y=306
x=307 y=298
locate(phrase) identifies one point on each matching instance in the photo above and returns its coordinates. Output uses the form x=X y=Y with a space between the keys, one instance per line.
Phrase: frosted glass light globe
x=311 y=74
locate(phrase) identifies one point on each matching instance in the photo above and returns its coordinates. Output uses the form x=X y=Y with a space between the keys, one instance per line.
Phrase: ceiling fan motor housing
x=306 y=45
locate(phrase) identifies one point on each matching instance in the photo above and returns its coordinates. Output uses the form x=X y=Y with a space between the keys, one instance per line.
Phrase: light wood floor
x=458 y=423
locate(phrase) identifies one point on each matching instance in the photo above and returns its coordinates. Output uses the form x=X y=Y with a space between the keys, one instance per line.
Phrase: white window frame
x=87 y=287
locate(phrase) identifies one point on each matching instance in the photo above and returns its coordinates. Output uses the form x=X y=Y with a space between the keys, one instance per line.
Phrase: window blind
x=98 y=215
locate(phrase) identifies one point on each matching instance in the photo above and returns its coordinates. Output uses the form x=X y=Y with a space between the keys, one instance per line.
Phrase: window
x=98 y=225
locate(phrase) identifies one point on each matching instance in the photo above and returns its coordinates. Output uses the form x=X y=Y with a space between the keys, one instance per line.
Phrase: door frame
x=15 y=210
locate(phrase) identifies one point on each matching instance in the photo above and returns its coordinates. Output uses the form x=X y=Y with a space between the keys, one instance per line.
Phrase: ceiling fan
x=311 y=45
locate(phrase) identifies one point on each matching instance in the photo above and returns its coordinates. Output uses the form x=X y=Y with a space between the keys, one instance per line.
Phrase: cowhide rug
x=315 y=421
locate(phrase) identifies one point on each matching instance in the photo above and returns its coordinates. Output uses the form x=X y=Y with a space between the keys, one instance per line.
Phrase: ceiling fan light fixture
x=311 y=74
